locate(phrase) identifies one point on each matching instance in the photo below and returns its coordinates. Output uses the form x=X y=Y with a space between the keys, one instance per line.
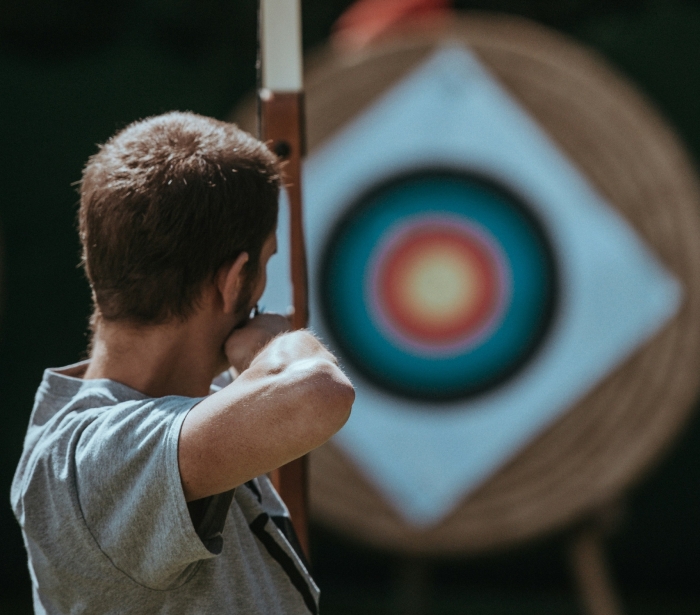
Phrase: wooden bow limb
x=281 y=125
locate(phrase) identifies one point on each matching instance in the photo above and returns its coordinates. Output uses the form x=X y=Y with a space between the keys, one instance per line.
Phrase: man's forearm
x=292 y=399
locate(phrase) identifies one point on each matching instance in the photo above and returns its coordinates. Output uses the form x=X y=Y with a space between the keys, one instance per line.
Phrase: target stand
x=504 y=251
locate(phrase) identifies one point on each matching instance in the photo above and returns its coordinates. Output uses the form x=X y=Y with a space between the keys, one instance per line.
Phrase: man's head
x=164 y=205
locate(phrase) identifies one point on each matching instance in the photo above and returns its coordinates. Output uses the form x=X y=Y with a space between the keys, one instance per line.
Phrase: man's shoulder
x=64 y=393
x=77 y=423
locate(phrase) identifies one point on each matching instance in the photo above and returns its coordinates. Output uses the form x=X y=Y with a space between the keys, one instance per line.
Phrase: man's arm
x=291 y=399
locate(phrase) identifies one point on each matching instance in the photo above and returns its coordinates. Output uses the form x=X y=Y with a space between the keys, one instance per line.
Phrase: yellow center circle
x=439 y=285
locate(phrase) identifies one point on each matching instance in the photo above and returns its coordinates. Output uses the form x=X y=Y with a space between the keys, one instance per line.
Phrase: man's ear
x=229 y=282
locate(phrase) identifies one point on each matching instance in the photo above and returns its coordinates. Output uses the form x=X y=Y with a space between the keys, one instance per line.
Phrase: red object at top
x=367 y=20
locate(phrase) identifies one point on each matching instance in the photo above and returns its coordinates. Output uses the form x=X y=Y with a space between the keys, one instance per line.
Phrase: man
x=139 y=490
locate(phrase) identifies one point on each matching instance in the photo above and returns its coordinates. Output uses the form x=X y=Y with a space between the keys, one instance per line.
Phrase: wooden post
x=590 y=569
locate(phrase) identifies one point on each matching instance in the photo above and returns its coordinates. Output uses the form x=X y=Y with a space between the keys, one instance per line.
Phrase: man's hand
x=244 y=343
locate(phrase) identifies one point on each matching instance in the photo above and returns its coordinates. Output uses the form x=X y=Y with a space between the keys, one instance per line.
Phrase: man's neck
x=178 y=358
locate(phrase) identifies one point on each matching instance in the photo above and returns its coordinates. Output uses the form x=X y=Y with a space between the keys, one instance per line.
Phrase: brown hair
x=164 y=204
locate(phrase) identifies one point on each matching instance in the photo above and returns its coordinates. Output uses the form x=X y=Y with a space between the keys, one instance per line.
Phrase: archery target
x=447 y=392
x=601 y=197
x=437 y=285
x=437 y=441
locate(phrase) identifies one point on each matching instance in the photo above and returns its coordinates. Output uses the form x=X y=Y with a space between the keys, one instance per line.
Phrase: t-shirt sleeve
x=130 y=494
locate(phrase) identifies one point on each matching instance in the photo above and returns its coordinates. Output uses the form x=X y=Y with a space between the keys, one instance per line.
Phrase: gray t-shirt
x=106 y=526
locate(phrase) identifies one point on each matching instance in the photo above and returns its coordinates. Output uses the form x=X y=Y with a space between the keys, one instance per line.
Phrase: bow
x=281 y=125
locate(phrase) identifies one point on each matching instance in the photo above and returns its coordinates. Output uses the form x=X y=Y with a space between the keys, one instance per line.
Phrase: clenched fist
x=244 y=343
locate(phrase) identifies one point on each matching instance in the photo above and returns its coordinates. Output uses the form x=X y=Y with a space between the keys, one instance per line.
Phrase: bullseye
x=439 y=284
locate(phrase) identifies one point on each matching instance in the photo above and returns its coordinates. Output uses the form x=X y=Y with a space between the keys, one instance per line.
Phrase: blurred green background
x=74 y=71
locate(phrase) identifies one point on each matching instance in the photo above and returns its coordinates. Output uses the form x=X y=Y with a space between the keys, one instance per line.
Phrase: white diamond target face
x=473 y=283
